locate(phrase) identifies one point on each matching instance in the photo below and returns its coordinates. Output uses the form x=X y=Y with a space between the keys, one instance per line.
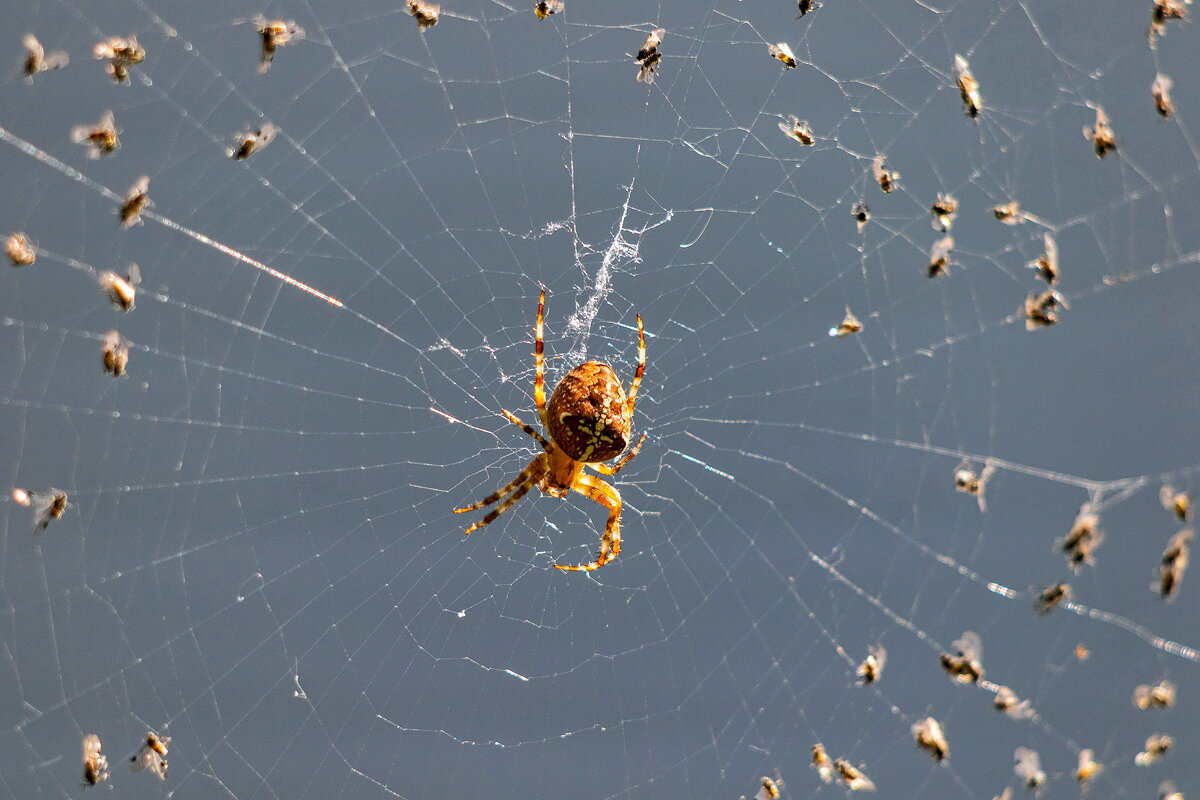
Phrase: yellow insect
x=426 y=14
x=944 y=210
x=854 y=778
x=136 y=200
x=121 y=53
x=587 y=421
x=544 y=8
x=101 y=138
x=784 y=53
x=1009 y=213
x=1046 y=265
x=1160 y=695
x=1087 y=768
x=821 y=763
x=769 y=787
x=1157 y=745
x=849 y=325
x=20 y=250
x=1041 y=310
x=115 y=354
x=51 y=505
x=1082 y=540
x=1006 y=700
x=798 y=129
x=36 y=59
x=274 y=33
x=939 y=256
x=151 y=755
x=1178 y=502
x=122 y=291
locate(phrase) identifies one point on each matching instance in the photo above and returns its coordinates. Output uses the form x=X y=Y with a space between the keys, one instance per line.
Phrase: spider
x=588 y=420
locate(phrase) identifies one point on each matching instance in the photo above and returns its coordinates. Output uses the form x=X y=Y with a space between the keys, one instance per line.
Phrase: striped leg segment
x=526 y=480
x=610 y=542
x=514 y=419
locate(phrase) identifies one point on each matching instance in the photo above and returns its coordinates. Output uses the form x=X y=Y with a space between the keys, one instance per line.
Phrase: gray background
x=261 y=561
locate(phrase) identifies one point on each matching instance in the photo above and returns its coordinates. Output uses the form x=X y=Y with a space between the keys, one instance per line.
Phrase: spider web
x=260 y=559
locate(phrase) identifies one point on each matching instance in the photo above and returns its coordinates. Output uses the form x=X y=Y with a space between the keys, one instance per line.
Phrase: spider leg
x=610 y=542
x=605 y=469
x=539 y=362
x=516 y=421
x=631 y=400
x=519 y=485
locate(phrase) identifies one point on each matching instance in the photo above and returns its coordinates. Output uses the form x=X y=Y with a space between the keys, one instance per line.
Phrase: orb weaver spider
x=588 y=420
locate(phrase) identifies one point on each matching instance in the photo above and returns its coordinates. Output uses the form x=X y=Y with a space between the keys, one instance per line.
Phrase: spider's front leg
x=610 y=542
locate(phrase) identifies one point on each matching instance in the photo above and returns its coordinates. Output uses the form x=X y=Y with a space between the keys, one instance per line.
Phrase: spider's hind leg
x=610 y=541
x=525 y=480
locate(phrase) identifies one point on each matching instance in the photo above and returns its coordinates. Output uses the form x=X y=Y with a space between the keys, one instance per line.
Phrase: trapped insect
x=849 y=325
x=1163 y=12
x=798 y=129
x=887 y=179
x=1082 y=540
x=1161 y=91
x=967 y=481
x=968 y=87
x=121 y=54
x=1027 y=764
x=939 y=256
x=862 y=214
x=1101 y=134
x=1173 y=564
x=784 y=53
x=1160 y=695
x=1046 y=265
x=769 y=787
x=426 y=14
x=101 y=138
x=36 y=59
x=544 y=8
x=275 y=33
x=1087 y=768
x=854 y=778
x=965 y=663
x=928 y=735
x=151 y=755
x=1157 y=745
x=114 y=354
x=122 y=291
x=1050 y=597
x=95 y=764
x=136 y=200
x=872 y=666
x=248 y=143
x=587 y=422
x=806 y=6
x=1167 y=791
x=1006 y=700
x=944 y=210
x=1009 y=213
x=821 y=763
x=648 y=56
x=20 y=250
x=1041 y=310
x=50 y=505
x=1178 y=503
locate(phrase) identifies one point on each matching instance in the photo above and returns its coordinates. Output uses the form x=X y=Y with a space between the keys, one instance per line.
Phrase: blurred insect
x=426 y=14
x=848 y=326
x=968 y=87
x=136 y=199
x=36 y=59
x=121 y=291
x=1082 y=540
x=50 y=505
x=1087 y=768
x=544 y=8
x=248 y=143
x=784 y=53
x=276 y=33
x=648 y=56
x=151 y=755
x=1006 y=700
x=939 y=256
x=1167 y=791
x=1177 y=502
x=769 y=787
x=95 y=764
x=101 y=138
x=1101 y=134
x=1161 y=90
x=1041 y=310
x=871 y=668
x=1005 y=795
x=1174 y=563
x=19 y=250
x=805 y=6
x=1027 y=764
x=1157 y=745
x=115 y=354
x=966 y=480
x=1050 y=597
x=853 y=777
x=1081 y=652
x=965 y=664
x=887 y=179
x=798 y=129
x=1160 y=695
x=1163 y=12
x=1046 y=265
x=820 y=762
x=862 y=214
x=944 y=210
x=928 y=735
x=1009 y=213
x=121 y=54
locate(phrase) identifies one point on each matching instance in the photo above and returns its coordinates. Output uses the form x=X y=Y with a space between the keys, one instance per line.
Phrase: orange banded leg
x=631 y=400
x=500 y=509
x=514 y=419
x=610 y=542
x=539 y=363
x=521 y=484
x=605 y=469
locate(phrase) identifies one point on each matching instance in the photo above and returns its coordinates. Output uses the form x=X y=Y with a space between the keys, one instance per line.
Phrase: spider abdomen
x=589 y=420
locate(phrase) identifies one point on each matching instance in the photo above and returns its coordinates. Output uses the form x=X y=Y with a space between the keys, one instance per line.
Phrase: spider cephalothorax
x=588 y=419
